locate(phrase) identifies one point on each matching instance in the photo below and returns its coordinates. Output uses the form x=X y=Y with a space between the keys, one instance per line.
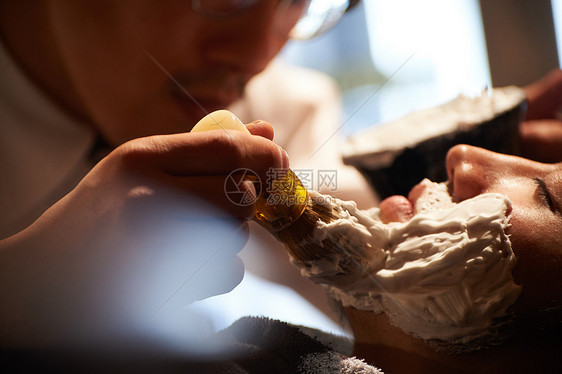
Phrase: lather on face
x=445 y=271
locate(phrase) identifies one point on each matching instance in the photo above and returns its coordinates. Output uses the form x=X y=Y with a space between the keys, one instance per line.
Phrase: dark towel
x=253 y=345
x=262 y=345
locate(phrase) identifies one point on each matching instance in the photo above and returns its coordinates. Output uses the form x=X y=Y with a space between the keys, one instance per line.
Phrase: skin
x=536 y=235
x=90 y=59
x=138 y=209
x=87 y=256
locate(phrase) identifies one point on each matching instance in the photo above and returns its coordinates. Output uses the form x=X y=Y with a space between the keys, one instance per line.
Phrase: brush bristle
x=298 y=237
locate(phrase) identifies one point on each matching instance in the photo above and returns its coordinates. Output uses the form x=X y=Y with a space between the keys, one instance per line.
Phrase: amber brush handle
x=284 y=200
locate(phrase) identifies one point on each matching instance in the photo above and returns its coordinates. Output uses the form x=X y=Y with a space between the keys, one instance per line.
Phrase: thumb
x=261 y=128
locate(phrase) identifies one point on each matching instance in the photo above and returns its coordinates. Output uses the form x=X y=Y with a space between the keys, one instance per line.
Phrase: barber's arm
x=149 y=222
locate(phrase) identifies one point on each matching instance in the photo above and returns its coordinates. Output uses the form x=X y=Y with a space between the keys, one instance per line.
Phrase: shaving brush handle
x=220 y=120
x=284 y=200
x=282 y=203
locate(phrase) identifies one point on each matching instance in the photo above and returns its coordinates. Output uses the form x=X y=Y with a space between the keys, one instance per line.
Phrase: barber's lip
x=198 y=106
x=211 y=97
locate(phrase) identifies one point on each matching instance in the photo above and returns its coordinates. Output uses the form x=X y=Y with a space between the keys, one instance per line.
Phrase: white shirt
x=43 y=151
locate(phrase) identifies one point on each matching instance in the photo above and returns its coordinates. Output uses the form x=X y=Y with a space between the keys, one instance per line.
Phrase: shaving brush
x=287 y=210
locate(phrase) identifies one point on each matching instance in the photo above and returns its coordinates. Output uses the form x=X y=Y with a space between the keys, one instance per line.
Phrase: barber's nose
x=471 y=170
x=247 y=43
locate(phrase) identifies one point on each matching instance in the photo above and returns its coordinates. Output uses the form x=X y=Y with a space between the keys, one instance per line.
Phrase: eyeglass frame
x=197 y=8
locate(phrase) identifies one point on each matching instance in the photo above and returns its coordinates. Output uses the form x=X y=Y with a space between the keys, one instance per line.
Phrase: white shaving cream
x=445 y=274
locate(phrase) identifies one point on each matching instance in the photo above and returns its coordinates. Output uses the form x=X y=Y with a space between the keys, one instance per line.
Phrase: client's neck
x=393 y=351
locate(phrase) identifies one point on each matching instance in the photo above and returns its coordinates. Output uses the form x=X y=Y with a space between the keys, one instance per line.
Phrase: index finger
x=215 y=152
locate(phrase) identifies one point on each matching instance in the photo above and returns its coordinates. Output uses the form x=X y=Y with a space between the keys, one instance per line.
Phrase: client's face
x=535 y=232
x=535 y=190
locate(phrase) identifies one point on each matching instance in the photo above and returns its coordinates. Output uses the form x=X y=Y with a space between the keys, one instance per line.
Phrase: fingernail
x=285 y=158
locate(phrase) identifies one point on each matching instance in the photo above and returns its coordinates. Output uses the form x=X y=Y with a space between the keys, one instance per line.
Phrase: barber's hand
x=194 y=164
x=541 y=132
x=149 y=229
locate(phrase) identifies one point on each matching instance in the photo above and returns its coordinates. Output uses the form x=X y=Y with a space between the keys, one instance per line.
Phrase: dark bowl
x=394 y=171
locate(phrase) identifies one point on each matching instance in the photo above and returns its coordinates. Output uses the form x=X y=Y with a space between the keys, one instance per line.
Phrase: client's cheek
x=537 y=268
x=396 y=209
x=521 y=231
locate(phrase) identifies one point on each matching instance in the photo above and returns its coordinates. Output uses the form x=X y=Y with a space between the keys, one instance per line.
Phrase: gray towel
x=262 y=345
x=254 y=345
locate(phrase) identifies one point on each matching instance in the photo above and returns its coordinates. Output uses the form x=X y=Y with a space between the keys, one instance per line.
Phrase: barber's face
x=106 y=49
x=536 y=221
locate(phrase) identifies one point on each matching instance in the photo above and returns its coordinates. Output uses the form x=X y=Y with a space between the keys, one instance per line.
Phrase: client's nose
x=469 y=169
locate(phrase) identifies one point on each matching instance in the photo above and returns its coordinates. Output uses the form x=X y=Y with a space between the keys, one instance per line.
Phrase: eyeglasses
x=299 y=19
